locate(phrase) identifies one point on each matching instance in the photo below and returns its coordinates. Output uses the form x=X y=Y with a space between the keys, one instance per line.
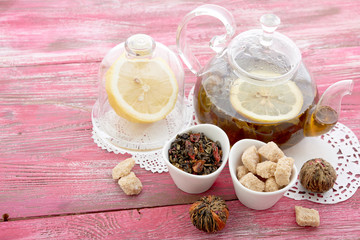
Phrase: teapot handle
x=217 y=43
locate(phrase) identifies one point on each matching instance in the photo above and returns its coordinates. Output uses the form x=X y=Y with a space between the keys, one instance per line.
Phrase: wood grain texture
x=56 y=183
x=174 y=223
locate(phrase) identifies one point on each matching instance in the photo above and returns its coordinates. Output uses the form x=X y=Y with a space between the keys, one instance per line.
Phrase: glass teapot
x=256 y=86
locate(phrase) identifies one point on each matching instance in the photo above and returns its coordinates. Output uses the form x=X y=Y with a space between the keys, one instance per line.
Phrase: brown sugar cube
x=283 y=170
x=271 y=185
x=130 y=184
x=307 y=217
x=252 y=182
x=271 y=152
x=241 y=171
x=123 y=168
x=250 y=158
x=266 y=169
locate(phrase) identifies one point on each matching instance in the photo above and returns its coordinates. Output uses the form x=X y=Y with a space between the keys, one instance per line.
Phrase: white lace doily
x=341 y=148
x=149 y=160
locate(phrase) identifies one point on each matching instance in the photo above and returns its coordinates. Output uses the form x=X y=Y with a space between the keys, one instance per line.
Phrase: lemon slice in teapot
x=267 y=104
x=141 y=90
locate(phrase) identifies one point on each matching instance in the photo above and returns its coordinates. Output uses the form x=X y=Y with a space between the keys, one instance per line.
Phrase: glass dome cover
x=123 y=131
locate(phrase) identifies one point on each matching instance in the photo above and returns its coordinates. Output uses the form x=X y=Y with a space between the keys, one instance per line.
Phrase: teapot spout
x=325 y=114
x=333 y=95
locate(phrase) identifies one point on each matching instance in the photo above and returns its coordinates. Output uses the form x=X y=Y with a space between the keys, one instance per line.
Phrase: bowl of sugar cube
x=261 y=173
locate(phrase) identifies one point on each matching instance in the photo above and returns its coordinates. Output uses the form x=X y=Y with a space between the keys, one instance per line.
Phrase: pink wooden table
x=55 y=183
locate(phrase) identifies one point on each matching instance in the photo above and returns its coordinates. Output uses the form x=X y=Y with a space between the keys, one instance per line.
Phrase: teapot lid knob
x=269 y=24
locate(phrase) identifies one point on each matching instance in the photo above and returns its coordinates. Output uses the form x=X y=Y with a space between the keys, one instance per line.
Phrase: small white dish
x=253 y=199
x=191 y=183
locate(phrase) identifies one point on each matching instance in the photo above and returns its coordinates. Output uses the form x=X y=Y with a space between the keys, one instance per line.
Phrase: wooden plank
x=57 y=180
x=66 y=182
x=173 y=222
x=74 y=31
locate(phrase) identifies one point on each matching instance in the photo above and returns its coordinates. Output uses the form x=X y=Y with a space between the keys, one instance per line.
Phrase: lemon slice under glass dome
x=141 y=90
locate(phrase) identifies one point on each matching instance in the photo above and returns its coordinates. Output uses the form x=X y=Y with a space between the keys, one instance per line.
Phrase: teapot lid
x=264 y=56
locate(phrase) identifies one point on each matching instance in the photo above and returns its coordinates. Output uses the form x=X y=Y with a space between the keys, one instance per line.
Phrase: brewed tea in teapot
x=257 y=86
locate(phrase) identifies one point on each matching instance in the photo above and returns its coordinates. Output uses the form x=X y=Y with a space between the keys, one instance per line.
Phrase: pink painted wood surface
x=56 y=183
x=174 y=223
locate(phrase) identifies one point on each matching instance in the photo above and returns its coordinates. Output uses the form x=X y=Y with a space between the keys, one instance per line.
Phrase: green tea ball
x=209 y=214
x=317 y=175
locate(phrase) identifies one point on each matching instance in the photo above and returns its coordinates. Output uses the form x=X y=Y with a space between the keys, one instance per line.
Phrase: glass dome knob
x=269 y=24
x=140 y=45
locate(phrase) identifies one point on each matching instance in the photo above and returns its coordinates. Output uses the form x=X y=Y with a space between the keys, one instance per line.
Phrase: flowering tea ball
x=209 y=214
x=317 y=175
